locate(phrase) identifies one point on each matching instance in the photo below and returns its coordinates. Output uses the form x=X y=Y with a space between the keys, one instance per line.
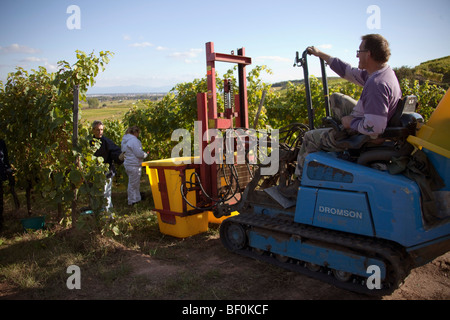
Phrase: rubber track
x=397 y=265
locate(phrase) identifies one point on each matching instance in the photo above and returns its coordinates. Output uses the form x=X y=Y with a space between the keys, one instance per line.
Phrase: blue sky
x=162 y=43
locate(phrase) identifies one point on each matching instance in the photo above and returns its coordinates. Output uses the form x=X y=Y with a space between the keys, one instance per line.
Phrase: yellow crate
x=173 y=183
x=185 y=226
x=175 y=216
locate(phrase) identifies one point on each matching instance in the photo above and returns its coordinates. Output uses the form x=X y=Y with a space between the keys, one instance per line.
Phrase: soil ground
x=207 y=271
x=153 y=266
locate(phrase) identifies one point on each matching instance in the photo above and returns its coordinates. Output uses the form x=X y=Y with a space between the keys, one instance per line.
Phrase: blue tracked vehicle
x=353 y=225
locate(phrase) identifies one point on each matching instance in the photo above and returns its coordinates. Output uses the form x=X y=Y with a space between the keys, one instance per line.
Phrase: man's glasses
x=359 y=51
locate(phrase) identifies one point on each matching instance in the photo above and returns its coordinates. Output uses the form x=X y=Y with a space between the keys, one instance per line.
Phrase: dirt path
x=209 y=272
x=429 y=282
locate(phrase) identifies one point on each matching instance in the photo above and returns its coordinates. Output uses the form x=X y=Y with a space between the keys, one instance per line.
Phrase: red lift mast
x=207 y=109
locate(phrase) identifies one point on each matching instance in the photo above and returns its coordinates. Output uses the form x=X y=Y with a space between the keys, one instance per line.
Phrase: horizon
x=150 y=92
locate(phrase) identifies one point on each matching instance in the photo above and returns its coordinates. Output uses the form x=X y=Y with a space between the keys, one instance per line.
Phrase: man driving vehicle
x=369 y=115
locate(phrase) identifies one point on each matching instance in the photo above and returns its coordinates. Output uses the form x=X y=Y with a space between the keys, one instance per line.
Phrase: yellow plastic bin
x=184 y=226
x=434 y=135
x=434 y=139
x=175 y=217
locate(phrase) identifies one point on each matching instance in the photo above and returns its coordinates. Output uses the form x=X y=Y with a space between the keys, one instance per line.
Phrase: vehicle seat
x=403 y=123
x=405 y=120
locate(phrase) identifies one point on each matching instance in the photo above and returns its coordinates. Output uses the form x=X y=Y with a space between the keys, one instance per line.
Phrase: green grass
x=35 y=263
x=112 y=110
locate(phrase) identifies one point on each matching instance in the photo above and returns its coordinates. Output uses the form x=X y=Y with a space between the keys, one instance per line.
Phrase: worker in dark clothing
x=110 y=153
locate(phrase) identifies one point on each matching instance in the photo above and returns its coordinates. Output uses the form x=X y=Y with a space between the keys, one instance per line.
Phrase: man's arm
x=322 y=55
x=343 y=69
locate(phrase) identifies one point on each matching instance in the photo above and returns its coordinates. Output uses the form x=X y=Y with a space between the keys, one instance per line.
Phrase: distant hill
x=127 y=90
x=437 y=71
x=283 y=84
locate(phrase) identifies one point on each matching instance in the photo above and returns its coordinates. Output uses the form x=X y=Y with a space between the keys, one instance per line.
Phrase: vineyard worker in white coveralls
x=134 y=156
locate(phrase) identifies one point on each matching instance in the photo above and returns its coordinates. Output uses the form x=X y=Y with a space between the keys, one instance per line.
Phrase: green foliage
x=288 y=106
x=157 y=121
x=429 y=95
x=31 y=118
x=114 y=130
x=347 y=88
x=93 y=102
x=36 y=117
x=255 y=89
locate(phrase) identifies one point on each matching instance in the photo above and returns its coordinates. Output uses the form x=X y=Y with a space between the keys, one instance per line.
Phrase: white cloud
x=51 y=67
x=147 y=80
x=325 y=46
x=141 y=44
x=188 y=56
x=159 y=48
x=126 y=37
x=17 y=48
x=39 y=61
x=34 y=59
x=192 y=53
x=273 y=58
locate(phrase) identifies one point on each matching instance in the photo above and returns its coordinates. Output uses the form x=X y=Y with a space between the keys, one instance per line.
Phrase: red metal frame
x=207 y=109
